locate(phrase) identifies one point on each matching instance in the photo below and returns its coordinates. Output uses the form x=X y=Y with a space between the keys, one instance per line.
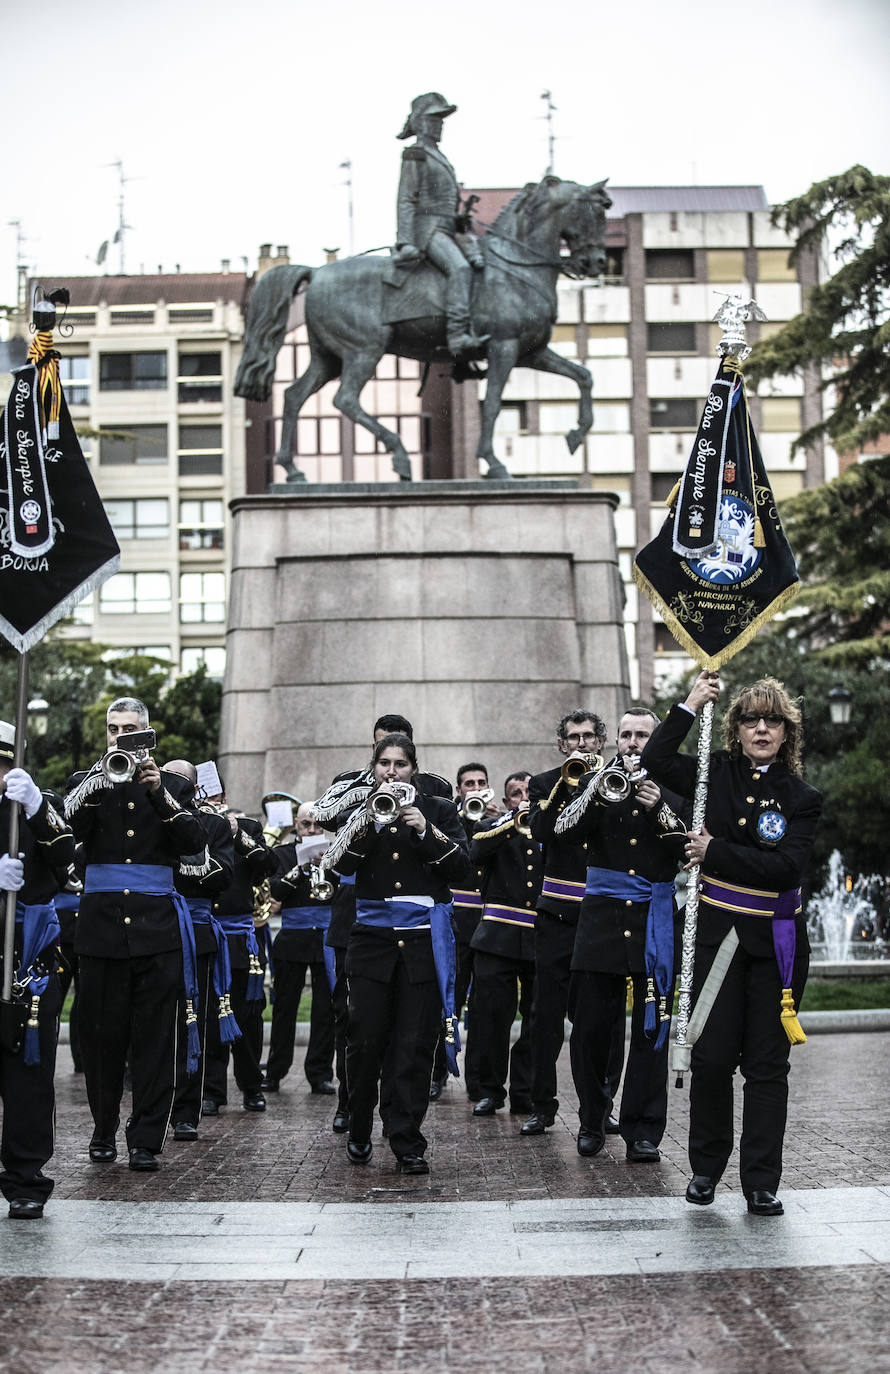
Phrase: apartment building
x=147 y=364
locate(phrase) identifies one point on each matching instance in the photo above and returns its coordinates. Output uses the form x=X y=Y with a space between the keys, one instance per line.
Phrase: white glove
x=21 y=787
x=12 y=873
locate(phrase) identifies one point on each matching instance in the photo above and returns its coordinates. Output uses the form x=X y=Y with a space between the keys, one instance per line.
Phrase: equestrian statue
x=445 y=295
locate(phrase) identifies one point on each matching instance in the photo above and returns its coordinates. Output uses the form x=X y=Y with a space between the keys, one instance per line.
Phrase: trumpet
x=520 y=821
x=321 y=889
x=119 y=763
x=614 y=783
x=384 y=805
x=475 y=803
x=576 y=765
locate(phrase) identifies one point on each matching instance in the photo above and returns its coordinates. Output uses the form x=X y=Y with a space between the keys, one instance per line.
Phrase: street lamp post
x=840 y=701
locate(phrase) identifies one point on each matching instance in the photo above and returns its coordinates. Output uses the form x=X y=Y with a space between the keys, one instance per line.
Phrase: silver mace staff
x=732 y=315
x=18 y=761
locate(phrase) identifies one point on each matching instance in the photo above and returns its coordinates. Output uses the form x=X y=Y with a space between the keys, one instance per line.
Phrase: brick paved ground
x=815 y=1320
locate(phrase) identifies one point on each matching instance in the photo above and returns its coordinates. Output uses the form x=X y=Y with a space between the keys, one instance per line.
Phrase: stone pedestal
x=482 y=611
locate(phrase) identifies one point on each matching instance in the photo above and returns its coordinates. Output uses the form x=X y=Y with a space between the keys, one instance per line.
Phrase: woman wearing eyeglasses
x=753 y=850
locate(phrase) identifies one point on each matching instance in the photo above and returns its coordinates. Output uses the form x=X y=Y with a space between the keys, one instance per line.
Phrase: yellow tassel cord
x=793 y=1028
x=733 y=366
x=675 y=492
x=49 y=389
x=630 y=994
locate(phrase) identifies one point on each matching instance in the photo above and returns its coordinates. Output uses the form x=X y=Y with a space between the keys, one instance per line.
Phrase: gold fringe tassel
x=793 y=1028
x=629 y=996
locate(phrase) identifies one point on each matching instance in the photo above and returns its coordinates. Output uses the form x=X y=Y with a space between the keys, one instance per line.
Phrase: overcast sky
x=231 y=120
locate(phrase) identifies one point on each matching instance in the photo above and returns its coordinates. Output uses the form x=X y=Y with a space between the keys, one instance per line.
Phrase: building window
x=139 y=518
x=83 y=611
x=726 y=264
x=132 y=371
x=670 y=338
x=406 y=426
x=140 y=593
x=139 y=444
x=673 y=264
x=200 y=377
x=781 y=413
x=390 y=368
x=665 y=642
x=674 y=412
x=202 y=597
x=773 y=265
x=200 y=525
x=74 y=374
x=211 y=655
x=614 y=269
x=200 y=450
x=663 y=484
x=318 y=435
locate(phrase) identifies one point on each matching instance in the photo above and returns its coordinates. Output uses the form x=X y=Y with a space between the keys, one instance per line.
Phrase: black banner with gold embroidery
x=715 y=600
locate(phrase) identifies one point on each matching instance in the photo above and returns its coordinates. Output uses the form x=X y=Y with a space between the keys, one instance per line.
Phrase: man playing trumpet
x=628 y=928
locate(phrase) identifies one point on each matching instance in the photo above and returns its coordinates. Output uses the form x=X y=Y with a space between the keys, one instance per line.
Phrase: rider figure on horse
x=431 y=223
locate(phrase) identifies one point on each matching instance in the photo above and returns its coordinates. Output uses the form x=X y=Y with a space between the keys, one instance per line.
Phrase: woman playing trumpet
x=396 y=962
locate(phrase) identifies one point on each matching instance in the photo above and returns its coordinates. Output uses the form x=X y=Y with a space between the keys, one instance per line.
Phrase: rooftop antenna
x=551 y=137
x=347 y=168
x=21 y=268
x=122 y=225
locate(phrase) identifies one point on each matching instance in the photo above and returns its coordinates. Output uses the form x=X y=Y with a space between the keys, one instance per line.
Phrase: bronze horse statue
x=353 y=307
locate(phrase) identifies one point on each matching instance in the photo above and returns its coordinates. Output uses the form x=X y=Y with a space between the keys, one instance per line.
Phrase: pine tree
x=845 y=324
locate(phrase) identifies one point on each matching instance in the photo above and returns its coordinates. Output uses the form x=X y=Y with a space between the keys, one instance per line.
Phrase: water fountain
x=841 y=920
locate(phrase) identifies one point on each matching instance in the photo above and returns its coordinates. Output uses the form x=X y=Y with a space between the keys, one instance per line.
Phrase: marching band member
x=628 y=927
x=504 y=948
x=35 y=872
x=581 y=732
x=133 y=941
x=400 y=960
x=753 y=851
x=305 y=897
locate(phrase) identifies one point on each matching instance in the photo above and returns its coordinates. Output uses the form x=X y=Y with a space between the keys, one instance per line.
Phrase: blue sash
x=201 y=912
x=609 y=882
x=67 y=901
x=243 y=925
x=385 y=915
x=312 y=918
x=156 y=880
x=40 y=928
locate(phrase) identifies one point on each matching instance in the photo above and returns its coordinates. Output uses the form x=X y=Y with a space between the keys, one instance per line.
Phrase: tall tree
x=845 y=324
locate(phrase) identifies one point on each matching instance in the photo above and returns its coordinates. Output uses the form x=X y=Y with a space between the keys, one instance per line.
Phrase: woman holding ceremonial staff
x=752 y=952
x=407 y=851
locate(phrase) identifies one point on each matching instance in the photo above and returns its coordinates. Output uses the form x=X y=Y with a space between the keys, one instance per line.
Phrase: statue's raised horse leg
x=323 y=367
x=357 y=369
x=545 y=360
x=501 y=355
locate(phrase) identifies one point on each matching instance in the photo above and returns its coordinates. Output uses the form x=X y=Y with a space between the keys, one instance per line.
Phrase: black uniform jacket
x=511 y=867
x=738 y=796
x=467 y=911
x=625 y=837
x=209 y=872
x=292 y=887
x=124 y=823
x=254 y=861
x=564 y=858
x=395 y=860
x=47 y=844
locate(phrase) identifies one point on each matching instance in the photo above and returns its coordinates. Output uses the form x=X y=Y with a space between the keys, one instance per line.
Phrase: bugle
x=119 y=763
x=475 y=803
x=384 y=805
x=576 y=765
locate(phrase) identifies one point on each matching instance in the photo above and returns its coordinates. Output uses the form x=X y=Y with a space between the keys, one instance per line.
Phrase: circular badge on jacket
x=771 y=827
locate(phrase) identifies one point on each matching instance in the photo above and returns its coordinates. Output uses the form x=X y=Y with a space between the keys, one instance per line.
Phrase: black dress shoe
x=358 y=1152
x=143 y=1161
x=764 y=1204
x=590 y=1142
x=436 y=1089
x=103 y=1151
x=254 y=1102
x=184 y=1130
x=643 y=1152
x=325 y=1088
x=612 y=1127
x=209 y=1107
x=487 y=1106
x=25 y=1209
x=700 y=1189
x=340 y=1123
x=412 y=1164
x=269 y=1085
x=536 y=1125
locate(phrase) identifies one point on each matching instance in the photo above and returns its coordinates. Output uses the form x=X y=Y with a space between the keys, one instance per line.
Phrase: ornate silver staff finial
x=733 y=315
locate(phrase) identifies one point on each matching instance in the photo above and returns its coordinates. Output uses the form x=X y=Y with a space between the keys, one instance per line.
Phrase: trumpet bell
x=575 y=766
x=384 y=805
x=520 y=822
x=118 y=766
x=612 y=785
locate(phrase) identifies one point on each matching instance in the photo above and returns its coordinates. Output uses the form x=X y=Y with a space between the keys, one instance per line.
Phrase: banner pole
x=18 y=761
x=681 y=1055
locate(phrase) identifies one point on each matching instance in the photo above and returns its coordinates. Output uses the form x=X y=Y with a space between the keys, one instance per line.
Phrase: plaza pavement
x=261 y=1248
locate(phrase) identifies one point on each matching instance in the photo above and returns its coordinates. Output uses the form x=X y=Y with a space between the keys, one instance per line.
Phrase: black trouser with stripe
x=26 y=1091
x=290 y=981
